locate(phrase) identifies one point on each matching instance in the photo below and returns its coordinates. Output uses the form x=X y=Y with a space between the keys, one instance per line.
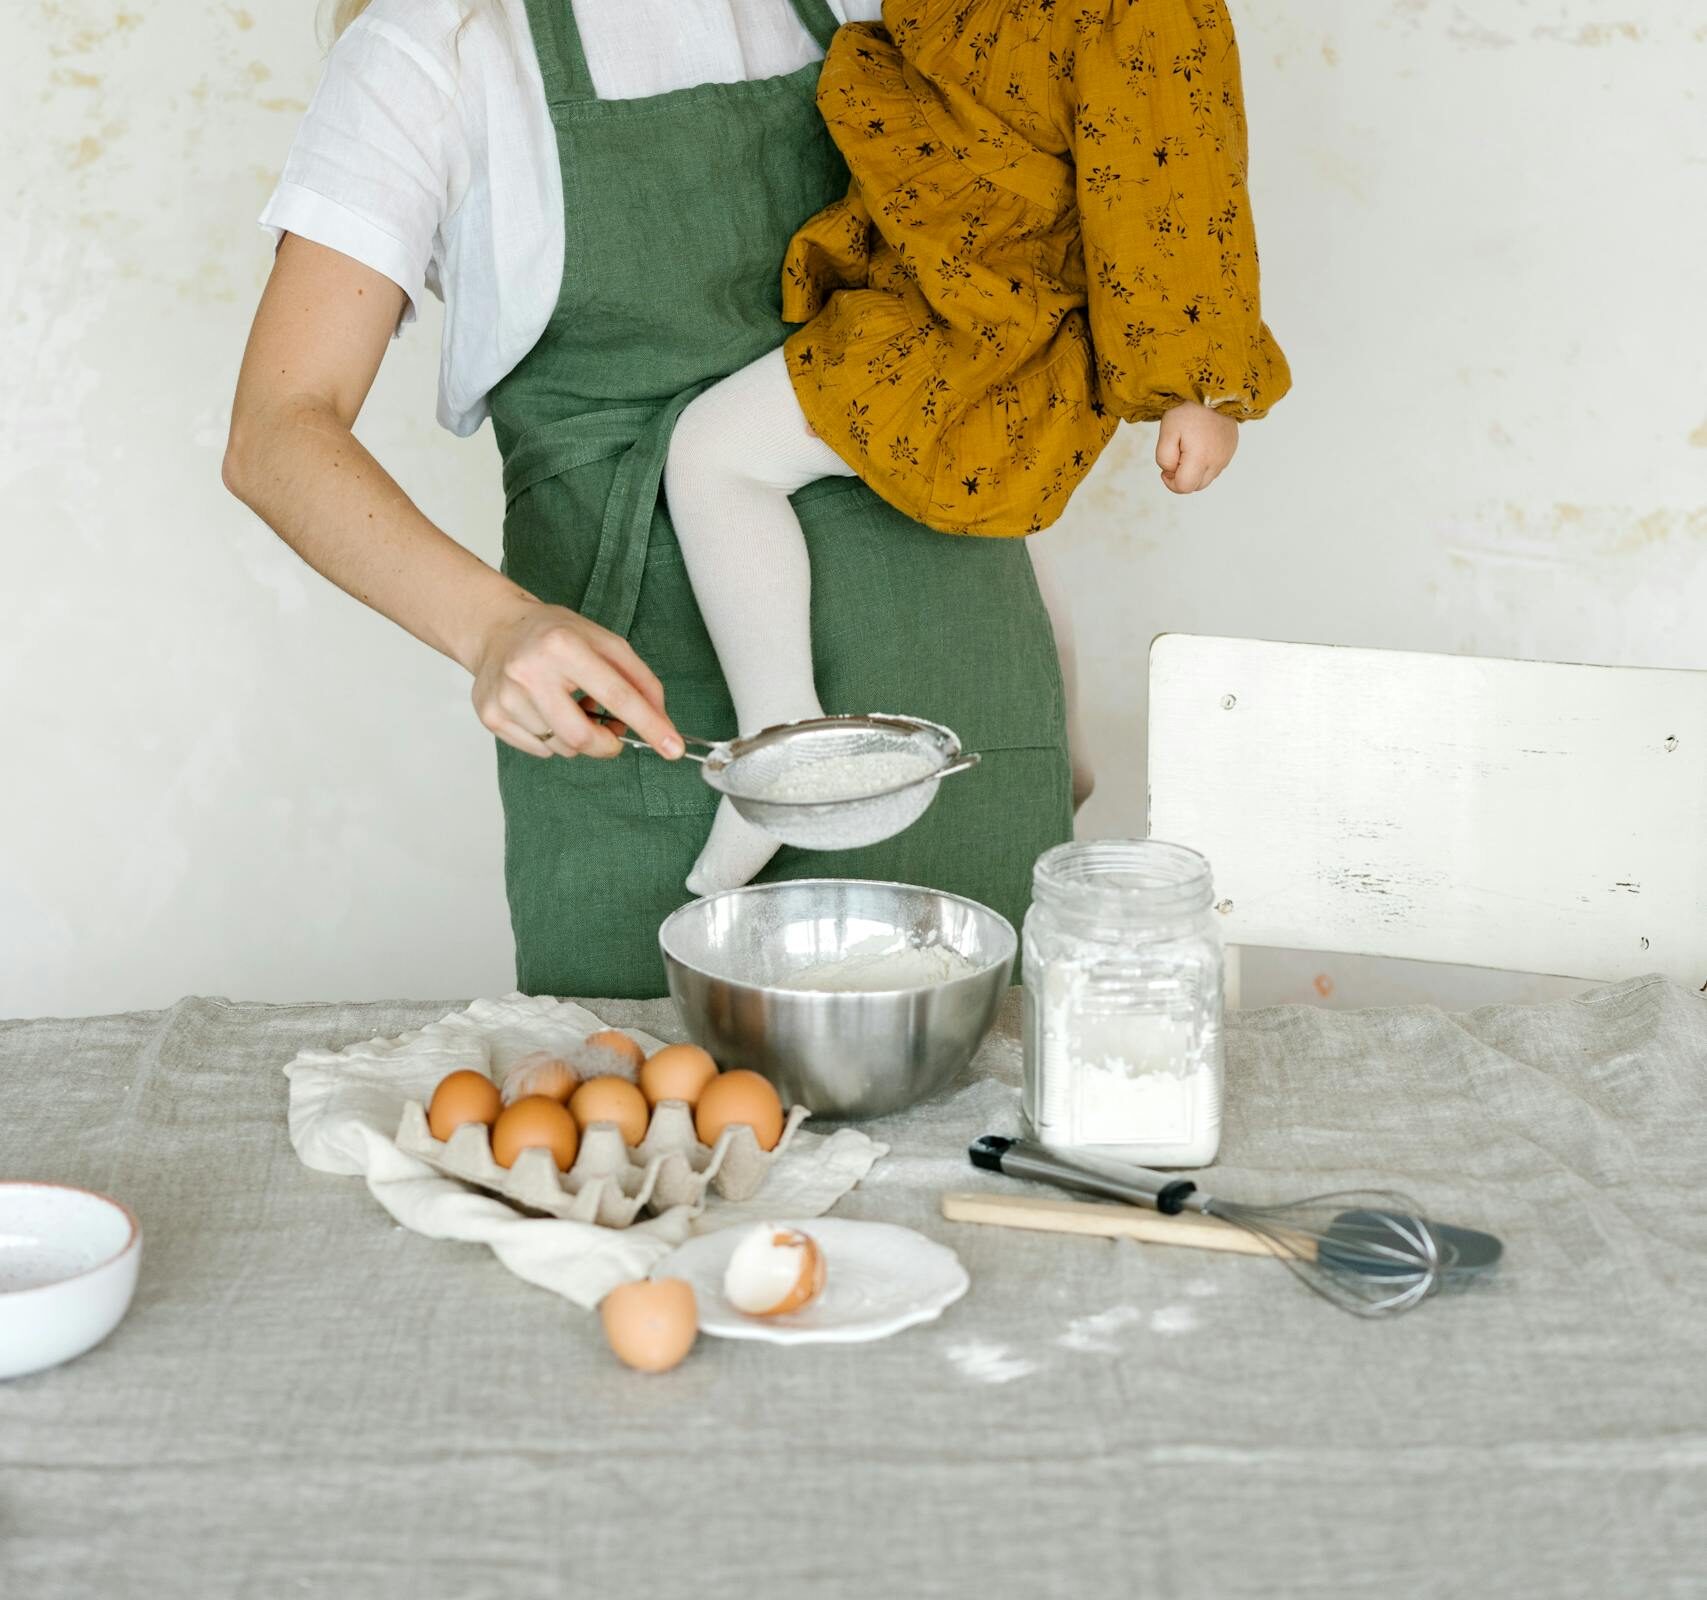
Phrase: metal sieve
x=777 y=778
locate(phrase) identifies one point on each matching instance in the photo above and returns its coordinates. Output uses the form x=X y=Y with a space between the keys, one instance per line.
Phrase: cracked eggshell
x=774 y=1271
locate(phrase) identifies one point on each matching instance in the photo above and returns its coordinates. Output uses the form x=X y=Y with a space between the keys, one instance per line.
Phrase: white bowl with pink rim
x=68 y=1262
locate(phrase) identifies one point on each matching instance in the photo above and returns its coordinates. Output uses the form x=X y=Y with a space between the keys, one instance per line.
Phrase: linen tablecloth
x=307 y=1400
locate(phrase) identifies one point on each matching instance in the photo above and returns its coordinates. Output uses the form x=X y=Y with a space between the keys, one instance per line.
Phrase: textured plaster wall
x=1484 y=232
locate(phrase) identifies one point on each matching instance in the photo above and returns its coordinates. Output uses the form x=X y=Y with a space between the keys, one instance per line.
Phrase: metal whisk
x=1369 y=1252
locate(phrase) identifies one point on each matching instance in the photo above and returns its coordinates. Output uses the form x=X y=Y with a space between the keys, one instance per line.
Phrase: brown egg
x=650 y=1325
x=539 y=1073
x=736 y=1097
x=462 y=1097
x=535 y=1122
x=677 y=1072
x=611 y=1100
x=622 y=1049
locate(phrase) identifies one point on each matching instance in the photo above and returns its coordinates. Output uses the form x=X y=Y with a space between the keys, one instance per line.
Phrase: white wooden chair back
x=1527 y=815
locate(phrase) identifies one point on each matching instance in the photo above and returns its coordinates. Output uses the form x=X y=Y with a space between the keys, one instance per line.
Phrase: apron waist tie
x=640 y=435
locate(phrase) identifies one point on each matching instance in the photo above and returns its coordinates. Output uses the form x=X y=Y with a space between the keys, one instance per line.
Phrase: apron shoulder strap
x=557 y=43
x=817 y=19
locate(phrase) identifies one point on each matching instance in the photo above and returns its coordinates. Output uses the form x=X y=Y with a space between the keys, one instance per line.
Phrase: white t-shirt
x=427 y=153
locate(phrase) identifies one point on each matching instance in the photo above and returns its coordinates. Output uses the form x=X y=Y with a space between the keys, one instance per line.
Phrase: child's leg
x=738 y=452
x=1061 y=620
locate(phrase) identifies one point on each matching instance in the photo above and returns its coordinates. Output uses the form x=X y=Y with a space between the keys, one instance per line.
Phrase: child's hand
x=1194 y=445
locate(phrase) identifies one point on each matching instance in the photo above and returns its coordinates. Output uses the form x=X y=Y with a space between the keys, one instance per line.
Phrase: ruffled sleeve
x=1158 y=133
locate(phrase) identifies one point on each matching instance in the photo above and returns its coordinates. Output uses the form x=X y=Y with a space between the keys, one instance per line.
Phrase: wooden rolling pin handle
x=1109 y=1222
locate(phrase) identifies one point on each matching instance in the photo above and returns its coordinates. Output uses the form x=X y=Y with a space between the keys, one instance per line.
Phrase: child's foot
x=735 y=853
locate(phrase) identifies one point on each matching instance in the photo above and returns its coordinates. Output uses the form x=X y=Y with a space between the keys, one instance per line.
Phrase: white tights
x=738 y=452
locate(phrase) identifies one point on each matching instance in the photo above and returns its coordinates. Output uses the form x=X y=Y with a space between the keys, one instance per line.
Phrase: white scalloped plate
x=879 y=1279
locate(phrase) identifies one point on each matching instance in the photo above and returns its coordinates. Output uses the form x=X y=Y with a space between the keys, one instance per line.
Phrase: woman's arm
x=322 y=329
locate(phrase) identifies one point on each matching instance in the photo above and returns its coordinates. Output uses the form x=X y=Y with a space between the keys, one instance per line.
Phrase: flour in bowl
x=912 y=967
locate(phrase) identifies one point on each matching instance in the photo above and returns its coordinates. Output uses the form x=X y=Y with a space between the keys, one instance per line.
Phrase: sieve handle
x=641 y=744
x=965 y=764
x=604 y=717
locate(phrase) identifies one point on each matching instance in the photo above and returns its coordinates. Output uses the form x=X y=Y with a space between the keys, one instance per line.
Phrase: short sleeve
x=1159 y=142
x=378 y=160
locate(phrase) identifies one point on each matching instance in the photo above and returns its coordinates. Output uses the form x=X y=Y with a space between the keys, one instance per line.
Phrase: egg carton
x=609 y=1184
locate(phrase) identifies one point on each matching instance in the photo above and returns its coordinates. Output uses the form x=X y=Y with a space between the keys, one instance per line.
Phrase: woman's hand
x=534 y=664
x=1193 y=446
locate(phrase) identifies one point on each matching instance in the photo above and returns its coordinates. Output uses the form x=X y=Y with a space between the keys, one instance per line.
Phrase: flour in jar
x=854 y=776
x=911 y=967
x=1133 y=1085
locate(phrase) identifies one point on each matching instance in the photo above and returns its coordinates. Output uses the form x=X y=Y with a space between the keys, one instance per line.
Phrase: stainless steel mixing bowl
x=839 y=1053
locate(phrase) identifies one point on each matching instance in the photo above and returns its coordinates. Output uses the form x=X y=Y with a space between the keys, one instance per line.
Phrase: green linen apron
x=677 y=208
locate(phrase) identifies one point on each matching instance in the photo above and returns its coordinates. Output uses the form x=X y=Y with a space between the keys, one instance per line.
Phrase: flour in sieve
x=853 y=776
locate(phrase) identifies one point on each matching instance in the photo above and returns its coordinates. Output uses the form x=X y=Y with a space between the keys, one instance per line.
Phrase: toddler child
x=1047 y=231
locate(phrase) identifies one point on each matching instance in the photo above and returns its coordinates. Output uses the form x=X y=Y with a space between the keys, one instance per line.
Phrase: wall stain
x=1594 y=35
x=1466 y=30
x=1699 y=437
x=85 y=39
x=1343 y=171
x=243 y=20
x=283 y=103
x=1329 y=54
x=71 y=78
x=1566 y=531
x=1657 y=527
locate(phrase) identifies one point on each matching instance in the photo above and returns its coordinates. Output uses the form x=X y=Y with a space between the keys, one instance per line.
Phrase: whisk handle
x=1113 y=1180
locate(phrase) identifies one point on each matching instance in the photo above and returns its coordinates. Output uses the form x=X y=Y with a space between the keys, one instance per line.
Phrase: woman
x=602 y=193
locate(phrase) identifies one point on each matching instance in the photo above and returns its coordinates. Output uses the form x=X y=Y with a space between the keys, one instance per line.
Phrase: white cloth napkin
x=345 y=1105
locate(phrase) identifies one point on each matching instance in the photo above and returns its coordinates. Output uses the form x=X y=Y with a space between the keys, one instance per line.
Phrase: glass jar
x=1123 y=965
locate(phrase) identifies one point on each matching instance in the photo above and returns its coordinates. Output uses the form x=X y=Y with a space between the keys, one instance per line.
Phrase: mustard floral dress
x=1047 y=231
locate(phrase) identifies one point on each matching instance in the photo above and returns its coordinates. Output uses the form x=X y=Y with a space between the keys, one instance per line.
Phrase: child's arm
x=1170 y=250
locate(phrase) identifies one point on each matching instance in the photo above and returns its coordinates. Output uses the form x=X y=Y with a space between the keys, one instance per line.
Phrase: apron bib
x=677 y=209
